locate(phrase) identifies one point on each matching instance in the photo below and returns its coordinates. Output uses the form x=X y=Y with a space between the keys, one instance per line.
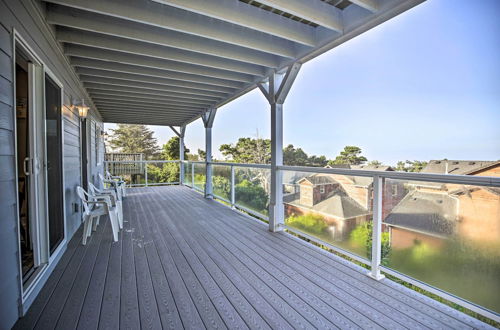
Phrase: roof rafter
x=153 y=80
x=169 y=18
x=315 y=11
x=145 y=91
x=103 y=41
x=120 y=28
x=112 y=56
x=236 y=12
x=151 y=72
x=168 y=88
x=149 y=98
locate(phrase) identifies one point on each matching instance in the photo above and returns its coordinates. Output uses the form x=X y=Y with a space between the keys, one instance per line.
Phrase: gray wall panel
x=24 y=17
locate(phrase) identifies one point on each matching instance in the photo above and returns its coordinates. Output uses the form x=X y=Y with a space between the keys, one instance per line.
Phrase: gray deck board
x=183 y=261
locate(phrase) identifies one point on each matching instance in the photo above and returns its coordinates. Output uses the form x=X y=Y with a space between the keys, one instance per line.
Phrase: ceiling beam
x=154 y=14
x=153 y=80
x=315 y=11
x=143 y=91
x=152 y=100
x=169 y=106
x=150 y=72
x=237 y=12
x=143 y=112
x=103 y=41
x=371 y=5
x=128 y=83
x=112 y=56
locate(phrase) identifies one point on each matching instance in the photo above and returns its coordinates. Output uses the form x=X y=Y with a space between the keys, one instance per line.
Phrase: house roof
x=166 y=62
x=432 y=213
x=317 y=179
x=460 y=167
x=338 y=205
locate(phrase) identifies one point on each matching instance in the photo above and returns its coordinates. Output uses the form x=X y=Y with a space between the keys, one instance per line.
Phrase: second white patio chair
x=120 y=181
x=116 y=202
x=112 y=184
x=93 y=208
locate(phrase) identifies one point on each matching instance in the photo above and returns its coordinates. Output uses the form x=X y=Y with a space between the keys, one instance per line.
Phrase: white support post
x=181 y=155
x=378 y=184
x=146 y=173
x=180 y=134
x=233 y=195
x=276 y=91
x=208 y=120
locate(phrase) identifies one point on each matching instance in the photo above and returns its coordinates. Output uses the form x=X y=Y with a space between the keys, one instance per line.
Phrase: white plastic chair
x=118 y=179
x=102 y=206
x=116 y=202
x=114 y=185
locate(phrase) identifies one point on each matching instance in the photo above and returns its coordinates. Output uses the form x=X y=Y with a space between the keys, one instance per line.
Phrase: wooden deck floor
x=186 y=262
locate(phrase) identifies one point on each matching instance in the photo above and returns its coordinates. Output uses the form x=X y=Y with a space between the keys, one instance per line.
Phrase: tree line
x=140 y=139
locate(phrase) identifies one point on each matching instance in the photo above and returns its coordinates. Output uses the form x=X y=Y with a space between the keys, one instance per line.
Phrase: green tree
x=248 y=150
x=374 y=163
x=202 y=155
x=171 y=149
x=252 y=195
x=411 y=166
x=351 y=155
x=134 y=139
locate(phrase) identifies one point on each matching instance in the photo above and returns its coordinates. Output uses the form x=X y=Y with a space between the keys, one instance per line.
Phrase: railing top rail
x=267 y=166
x=140 y=161
x=431 y=177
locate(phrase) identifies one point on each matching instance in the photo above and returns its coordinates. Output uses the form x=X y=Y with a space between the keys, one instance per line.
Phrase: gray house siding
x=27 y=19
x=9 y=271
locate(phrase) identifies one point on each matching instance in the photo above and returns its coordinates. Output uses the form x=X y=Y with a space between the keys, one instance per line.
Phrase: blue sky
x=424 y=85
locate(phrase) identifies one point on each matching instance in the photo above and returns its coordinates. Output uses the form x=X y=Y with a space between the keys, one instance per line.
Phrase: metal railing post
x=146 y=173
x=378 y=184
x=233 y=197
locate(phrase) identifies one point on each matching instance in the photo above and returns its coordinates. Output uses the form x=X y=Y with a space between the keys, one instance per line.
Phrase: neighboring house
x=432 y=212
x=343 y=201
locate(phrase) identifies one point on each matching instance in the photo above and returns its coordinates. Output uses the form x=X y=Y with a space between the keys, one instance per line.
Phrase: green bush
x=310 y=223
x=362 y=236
x=252 y=195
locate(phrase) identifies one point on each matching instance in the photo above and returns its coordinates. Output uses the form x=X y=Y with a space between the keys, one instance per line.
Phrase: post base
x=377 y=277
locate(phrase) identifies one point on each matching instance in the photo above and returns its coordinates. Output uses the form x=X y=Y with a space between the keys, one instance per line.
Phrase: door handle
x=25 y=168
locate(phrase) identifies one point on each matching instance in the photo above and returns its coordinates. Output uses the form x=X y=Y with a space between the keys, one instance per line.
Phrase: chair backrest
x=101 y=178
x=108 y=175
x=83 y=196
x=92 y=189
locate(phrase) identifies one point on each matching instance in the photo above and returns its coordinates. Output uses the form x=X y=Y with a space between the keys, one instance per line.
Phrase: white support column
x=208 y=120
x=180 y=134
x=275 y=91
x=378 y=184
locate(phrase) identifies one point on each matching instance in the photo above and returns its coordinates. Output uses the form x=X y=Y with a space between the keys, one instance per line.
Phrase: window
x=322 y=189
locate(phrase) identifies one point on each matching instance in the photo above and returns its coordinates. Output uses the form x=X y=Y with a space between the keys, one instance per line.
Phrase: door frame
x=37 y=105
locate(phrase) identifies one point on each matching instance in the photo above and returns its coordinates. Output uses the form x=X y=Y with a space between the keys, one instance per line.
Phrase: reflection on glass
x=252 y=186
x=187 y=174
x=200 y=175
x=334 y=208
x=446 y=235
x=221 y=181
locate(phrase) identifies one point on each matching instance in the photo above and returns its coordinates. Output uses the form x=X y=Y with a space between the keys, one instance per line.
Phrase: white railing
x=245 y=187
x=144 y=173
x=230 y=176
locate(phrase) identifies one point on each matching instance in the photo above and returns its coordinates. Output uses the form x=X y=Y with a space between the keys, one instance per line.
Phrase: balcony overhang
x=165 y=62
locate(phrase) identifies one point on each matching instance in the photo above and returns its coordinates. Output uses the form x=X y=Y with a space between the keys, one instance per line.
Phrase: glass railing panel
x=336 y=209
x=133 y=173
x=252 y=188
x=162 y=172
x=221 y=181
x=200 y=175
x=445 y=235
x=187 y=174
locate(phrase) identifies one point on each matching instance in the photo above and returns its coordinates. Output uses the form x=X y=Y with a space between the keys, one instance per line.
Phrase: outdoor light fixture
x=82 y=109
